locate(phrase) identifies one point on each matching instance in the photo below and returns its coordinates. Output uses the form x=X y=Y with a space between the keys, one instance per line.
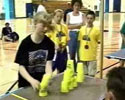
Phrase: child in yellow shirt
x=60 y=37
x=89 y=37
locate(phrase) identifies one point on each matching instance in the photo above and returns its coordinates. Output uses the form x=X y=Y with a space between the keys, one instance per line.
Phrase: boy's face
x=7 y=25
x=41 y=28
x=58 y=17
x=90 y=19
x=76 y=6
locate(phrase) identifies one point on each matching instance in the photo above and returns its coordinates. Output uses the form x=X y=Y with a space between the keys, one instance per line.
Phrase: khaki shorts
x=90 y=67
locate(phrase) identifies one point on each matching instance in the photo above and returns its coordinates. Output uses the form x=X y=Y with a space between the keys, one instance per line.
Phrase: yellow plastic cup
x=44 y=84
x=70 y=65
x=75 y=82
x=71 y=85
x=80 y=78
x=43 y=94
x=45 y=81
x=64 y=87
x=80 y=68
x=67 y=75
x=47 y=76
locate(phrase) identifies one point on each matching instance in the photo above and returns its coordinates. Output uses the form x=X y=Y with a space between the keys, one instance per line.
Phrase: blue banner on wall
x=106 y=5
x=9 y=9
x=29 y=9
x=117 y=6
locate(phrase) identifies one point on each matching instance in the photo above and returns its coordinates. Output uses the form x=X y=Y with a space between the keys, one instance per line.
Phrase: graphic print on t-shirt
x=37 y=61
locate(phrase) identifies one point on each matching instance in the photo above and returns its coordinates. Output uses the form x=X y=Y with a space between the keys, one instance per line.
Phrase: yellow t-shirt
x=59 y=35
x=93 y=36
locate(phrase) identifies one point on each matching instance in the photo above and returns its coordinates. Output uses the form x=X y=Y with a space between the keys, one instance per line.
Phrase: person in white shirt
x=41 y=8
x=75 y=20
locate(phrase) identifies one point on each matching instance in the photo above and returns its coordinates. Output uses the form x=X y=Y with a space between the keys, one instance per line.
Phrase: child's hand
x=56 y=47
x=63 y=47
x=35 y=84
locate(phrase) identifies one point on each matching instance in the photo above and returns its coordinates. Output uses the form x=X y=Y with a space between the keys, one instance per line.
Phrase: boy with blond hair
x=35 y=53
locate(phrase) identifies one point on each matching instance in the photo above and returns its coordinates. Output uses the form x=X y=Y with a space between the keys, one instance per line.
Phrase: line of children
x=36 y=51
x=88 y=38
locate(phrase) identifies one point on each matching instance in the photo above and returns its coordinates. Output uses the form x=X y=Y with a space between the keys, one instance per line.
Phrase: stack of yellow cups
x=66 y=80
x=80 y=72
x=70 y=65
x=71 y=84
x=66 y=84
x=44 y=85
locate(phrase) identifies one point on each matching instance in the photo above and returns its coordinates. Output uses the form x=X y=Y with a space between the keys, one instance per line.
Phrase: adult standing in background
x=75 y=20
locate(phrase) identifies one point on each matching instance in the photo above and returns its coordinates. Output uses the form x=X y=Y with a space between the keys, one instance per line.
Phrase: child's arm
x=83 y=18
x=98 y=36
x=65 y=39
x=51 y=52
x=34 y=83
x=78 y=43
x=48 y=68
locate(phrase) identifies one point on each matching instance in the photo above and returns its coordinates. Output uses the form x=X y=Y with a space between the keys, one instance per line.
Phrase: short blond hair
x=45 y=18
x=42 y=17
x=58 y=10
